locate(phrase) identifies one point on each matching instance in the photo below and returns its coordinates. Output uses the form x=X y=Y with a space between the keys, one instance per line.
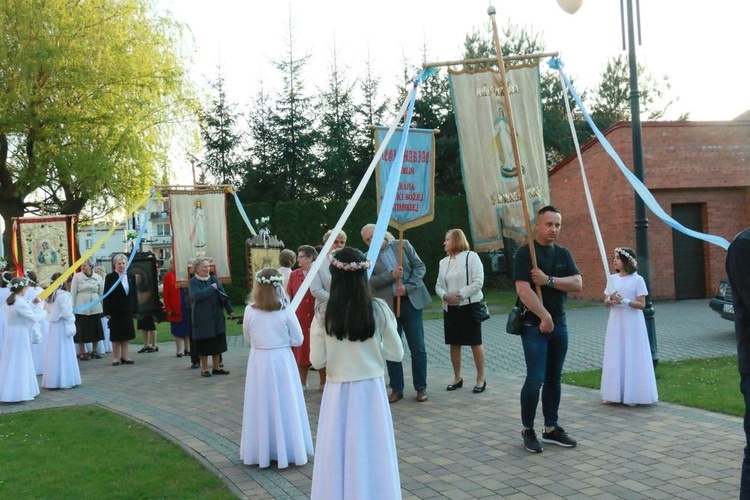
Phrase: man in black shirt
x=545 y=333
x=738 y=273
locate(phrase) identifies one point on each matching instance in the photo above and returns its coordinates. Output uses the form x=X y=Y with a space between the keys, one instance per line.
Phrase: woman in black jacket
x=120 y=306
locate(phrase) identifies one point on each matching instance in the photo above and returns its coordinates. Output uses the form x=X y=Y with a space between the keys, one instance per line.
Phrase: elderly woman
x=208 y=298
x=85 y=289
x=119 y=307
x=287 y=259
x=459 y=284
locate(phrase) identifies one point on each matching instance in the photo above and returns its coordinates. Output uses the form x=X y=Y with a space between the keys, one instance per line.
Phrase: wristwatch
x=551 y=282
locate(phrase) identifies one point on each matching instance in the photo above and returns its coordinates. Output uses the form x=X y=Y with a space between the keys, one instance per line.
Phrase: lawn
x=87 y=452
x=711 y=384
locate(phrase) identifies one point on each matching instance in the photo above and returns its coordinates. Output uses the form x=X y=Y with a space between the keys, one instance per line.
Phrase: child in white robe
x=60 y=363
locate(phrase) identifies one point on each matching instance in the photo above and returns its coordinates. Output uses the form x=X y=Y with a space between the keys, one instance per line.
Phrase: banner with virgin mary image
x=199 y=229
x=487 y=161
x=43 y=245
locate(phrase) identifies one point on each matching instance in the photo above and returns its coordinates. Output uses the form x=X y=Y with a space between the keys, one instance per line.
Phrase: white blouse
x=271 y=329
x=452 y=278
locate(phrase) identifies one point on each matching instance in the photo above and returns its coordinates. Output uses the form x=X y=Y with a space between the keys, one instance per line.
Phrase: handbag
x=516 y=317
x=479 y=310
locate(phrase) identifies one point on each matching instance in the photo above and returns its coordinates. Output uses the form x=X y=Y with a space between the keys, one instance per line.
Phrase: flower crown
x=273 y=280
x=624 y=253
x=348 y=266
x=21 y=283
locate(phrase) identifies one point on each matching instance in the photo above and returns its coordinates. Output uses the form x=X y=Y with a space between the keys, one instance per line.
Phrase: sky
x=700 y=50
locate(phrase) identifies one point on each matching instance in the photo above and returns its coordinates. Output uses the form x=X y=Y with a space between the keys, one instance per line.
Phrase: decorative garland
x=273 y=280
x=348 y=266
x=21 y=283
x=623 y=253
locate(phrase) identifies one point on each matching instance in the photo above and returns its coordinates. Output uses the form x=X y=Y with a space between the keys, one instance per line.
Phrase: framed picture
x=147 y=285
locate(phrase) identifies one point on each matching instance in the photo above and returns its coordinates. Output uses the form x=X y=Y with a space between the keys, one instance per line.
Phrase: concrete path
x=460 y=445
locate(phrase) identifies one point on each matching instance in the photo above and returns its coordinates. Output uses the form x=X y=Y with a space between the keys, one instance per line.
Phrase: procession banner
x=45 y=245
x=199 y=229
x=415 y=198
x=487 y=162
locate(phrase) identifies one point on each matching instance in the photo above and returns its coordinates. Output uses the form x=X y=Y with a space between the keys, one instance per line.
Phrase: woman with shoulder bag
x=459 y=285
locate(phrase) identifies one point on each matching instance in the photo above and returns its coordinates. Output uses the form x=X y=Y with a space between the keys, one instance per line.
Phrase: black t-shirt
x=738 y=273
x=555 y=261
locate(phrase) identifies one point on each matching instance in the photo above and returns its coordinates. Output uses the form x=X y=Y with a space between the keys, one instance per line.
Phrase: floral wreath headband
x=22 y=283
x=348 y=266
x=273 y=280
x=623 y=253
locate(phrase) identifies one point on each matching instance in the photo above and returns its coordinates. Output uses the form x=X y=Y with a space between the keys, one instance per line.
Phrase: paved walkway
x=461 y=445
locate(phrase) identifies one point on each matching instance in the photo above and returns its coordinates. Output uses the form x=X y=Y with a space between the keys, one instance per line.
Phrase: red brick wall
x=685 y=162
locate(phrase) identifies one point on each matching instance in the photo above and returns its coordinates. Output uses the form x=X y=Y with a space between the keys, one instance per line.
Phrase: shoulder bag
x=516 y=317
x=479 y=310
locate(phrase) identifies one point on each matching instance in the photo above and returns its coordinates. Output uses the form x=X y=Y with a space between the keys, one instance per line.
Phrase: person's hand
x=615 y=299
x=546 y=325
x=453 y=299
x=538 y=277
x=401 y=291
x=35 y=300
x=398 y=272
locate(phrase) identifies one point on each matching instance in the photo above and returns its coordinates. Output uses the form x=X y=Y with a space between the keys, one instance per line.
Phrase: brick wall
x=685 y=162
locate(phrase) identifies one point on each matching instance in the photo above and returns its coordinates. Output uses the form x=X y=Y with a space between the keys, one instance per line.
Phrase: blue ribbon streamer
x=389 y=195
x=136 y=245
x=243 y=214
x=638 y=186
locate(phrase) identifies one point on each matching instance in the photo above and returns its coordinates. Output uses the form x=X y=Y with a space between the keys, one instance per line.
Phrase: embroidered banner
x=487 y=162
x=415 y=198
x=199 y=228
x=44 y=245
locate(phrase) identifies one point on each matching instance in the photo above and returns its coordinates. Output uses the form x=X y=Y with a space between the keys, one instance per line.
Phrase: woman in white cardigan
x=355 y=453
x=459 y=283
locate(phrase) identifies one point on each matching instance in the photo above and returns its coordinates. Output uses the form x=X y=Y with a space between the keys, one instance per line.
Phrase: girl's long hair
x=349 y=310
x=16 y=285
x=265 y=296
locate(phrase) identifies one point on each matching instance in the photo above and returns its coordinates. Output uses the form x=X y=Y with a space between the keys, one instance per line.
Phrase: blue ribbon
x=391 y=188
x=242 y=213
x=638 y=186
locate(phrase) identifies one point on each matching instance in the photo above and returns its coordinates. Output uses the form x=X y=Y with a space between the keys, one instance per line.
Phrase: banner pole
x=400 y=265
x=516 y=154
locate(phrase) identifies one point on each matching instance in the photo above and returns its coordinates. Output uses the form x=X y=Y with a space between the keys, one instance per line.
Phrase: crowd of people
x=349 y=327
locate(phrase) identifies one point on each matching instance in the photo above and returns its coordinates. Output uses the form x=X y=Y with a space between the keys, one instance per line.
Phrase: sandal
x=83 y=357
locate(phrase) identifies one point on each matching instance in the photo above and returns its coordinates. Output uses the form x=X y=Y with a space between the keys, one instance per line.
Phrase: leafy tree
x=611 y=97
x=221 y=140
x=338 y=135
x=87 y=91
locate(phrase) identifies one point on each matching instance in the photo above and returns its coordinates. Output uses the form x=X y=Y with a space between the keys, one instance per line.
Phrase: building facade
x=699 y=173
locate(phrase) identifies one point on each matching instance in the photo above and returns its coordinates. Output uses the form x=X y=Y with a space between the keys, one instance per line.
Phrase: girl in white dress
x=17 y=376
x=627 y=370
x=355 y=447
x=275 y=426
x=37 y=350
x=60 y=363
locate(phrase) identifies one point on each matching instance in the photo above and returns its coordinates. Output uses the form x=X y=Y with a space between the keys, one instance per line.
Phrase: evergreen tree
x=221 y=141
x=262 y=162
x=299 y=169
x=338 y=135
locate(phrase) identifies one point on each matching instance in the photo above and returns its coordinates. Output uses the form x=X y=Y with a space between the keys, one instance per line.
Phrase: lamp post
x=641 y=221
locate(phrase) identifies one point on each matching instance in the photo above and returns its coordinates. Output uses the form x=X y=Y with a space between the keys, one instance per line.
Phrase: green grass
x=87 y=452
x=711 y=384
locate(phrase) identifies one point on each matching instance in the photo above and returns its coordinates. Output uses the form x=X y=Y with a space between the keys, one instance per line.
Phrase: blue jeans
x=545 y=355
x=745 y=478
x=410 y=324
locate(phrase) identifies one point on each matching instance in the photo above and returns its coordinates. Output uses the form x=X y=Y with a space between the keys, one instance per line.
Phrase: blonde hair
x=265 y=296
x=460 y=243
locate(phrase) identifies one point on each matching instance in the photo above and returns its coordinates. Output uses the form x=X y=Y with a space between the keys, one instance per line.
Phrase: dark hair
x=7 y=276
x=287 y=258
x=16 y=285
x=548 y=208
x=63 y=286
x=32 y=276
x=627 y=264
x=308 y=251
x=349 y=311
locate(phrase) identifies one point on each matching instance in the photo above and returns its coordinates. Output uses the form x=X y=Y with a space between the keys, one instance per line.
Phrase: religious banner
x=44 y=245
x=199 y=229
x=415 y=198
x=487 y=162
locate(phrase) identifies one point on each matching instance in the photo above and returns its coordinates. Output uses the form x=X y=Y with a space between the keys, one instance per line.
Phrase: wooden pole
x=514 y=142
x=490 y=60
x=400 y=265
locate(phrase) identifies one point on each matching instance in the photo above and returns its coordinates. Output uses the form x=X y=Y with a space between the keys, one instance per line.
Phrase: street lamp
x=641 y=222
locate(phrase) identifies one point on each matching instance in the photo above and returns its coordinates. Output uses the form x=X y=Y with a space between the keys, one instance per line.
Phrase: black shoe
x=477 y=389
x=155 y=349
x=559 y=437
x=530 y=441
x=179 y=355
x=455 y=386
x=116 y=363
x=143 y=349
x=150 y=350
x=206 y=374
x=96 y=356
x=127 y=361
x=220 y=372
x=195 y=366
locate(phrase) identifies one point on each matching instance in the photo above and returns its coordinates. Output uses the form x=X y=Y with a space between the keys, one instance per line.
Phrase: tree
x=220 y=138
x=260 y=183
x=611 y=97
x=338 y=135
x=87 y=90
